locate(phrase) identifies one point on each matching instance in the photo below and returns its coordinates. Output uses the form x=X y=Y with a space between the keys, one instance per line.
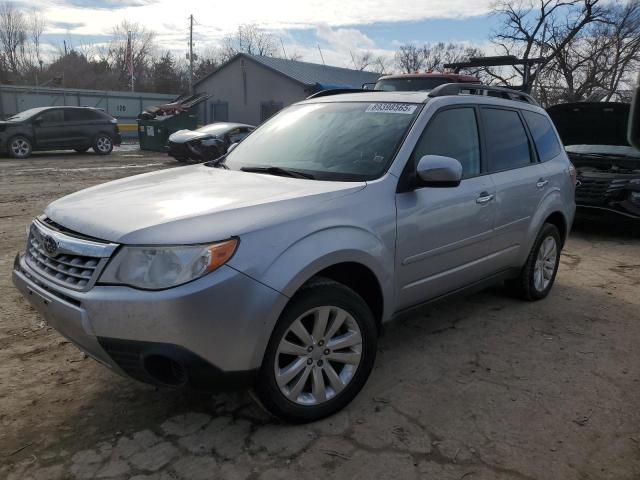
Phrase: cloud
x=341 y=38
x=104 y=4
x=60 y=25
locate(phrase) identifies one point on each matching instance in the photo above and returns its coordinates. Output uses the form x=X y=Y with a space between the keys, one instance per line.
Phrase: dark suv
x=59 y=128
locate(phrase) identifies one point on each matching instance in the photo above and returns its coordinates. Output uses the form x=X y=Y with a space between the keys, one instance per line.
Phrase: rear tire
x=539 y=272
x=103 y=144
x=331 y=366
x=19 y=147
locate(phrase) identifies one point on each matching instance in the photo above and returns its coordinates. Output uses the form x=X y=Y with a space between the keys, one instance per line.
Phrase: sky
x=339 y=27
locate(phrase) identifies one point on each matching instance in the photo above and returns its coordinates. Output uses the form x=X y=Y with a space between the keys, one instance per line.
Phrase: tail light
x=573 y=173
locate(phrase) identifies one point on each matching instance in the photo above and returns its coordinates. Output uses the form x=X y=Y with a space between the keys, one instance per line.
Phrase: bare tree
x=36 y=27
x=436 y=55
x=13 y=36
x=142 y=50
x=249 y=39
x=525 y=24
x=362 y=61
x=409 y=58
x=596 y=62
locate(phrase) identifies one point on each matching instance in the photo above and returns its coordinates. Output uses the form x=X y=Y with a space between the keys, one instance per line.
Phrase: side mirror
x=38 y=121
x=439 y=171
x=232 y=147
x=633 y=134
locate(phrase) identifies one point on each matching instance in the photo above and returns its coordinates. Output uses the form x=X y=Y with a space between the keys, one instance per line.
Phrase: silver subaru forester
x=274 y=267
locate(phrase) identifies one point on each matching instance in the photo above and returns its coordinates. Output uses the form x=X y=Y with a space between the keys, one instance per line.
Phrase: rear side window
x=452 y=133
x=73 y=115
x=52 y=116
x=81 y=115
x=506 y=138
x=543 y=135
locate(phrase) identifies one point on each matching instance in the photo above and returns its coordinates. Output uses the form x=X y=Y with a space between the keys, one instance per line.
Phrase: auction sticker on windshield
x=391 y=108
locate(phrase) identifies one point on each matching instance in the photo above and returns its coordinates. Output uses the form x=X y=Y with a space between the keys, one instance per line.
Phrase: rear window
x=507 y=141
x=543 y=134
x=410 y=84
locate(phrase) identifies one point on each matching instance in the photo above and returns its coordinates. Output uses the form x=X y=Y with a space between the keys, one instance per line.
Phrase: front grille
x=600 y=190
x=70 y=261
x=72 y=270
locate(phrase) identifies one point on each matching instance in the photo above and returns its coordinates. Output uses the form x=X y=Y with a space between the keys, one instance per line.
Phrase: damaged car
x=206 y=143
x=608 y=167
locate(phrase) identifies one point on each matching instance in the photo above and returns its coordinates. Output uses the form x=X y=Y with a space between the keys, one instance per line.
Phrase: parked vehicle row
x=59 y=128
x=273 y=267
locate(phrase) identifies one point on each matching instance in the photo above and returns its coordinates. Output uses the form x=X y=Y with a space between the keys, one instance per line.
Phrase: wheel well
x=361 y=280
x=557 y=219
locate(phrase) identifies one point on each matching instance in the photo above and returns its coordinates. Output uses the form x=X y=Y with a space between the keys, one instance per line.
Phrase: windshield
x=351 y=141
x=410 y=84
x=214 y=128
x=27 y=114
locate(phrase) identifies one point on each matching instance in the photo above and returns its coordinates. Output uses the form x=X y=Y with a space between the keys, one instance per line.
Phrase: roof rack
x=336 y=91
x=484 y=90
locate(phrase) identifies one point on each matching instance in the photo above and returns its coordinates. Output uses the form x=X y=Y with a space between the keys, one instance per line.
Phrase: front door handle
x=484 y=197
x=541 y=183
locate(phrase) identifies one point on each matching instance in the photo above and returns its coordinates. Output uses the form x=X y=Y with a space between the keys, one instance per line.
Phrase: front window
x=26 y=115
x=350 y=141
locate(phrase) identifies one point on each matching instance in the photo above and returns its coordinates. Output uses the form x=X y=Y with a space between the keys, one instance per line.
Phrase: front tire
x=320 y=354
x=19 y=147
x=103 y=145
x=539 y=272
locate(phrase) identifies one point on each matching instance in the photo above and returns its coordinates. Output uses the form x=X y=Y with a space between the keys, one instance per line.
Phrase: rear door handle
x=541 y=183
x=484 y=197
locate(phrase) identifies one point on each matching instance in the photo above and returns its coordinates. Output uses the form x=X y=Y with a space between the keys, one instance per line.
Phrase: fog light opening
x=165 y=370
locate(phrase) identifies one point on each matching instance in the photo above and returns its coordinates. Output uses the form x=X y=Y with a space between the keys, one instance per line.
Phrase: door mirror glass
x=634 y=118
x=439 y=171
x=232 y=147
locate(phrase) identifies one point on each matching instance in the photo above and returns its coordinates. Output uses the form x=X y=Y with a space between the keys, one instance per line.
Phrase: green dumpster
x=155 y=124
x=153 y=133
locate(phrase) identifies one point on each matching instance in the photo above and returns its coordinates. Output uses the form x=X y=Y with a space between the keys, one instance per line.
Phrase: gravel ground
x=482 y=388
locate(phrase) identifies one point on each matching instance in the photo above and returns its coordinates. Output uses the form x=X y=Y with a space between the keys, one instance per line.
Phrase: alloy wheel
x=20 y=147
x=545 y=263
x=318 y=355
x=103 y=144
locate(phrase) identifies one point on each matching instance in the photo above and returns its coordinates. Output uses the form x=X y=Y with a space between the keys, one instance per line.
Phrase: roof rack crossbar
x=336 y=91
x=479 y=89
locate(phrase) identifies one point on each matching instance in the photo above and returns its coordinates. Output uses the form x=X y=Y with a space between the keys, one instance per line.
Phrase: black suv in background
x=608 y=167
x=59 y=128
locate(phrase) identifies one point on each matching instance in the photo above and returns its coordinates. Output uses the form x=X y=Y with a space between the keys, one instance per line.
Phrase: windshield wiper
x=283 y=172
x=218 y=162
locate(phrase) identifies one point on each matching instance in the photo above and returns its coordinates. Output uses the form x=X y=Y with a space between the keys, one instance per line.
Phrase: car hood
x=182 y=136
x=195 y=204
x=591 y=123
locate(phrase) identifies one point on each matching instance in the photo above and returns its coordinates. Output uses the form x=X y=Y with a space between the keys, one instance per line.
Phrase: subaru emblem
x=50 y=245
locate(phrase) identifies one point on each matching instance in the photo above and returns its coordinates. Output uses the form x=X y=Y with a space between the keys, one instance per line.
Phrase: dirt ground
x=482 y=388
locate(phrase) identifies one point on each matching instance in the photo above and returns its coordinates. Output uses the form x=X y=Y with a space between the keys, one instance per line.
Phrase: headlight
x=158 y=267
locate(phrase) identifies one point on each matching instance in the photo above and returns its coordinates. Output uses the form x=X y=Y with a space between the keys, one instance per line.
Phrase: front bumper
x=216 y=328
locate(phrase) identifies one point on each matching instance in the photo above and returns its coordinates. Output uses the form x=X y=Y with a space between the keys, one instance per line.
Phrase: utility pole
x=191 y=54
